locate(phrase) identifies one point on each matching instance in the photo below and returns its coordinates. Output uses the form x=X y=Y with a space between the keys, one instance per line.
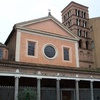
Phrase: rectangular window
x=31 y=48
x=1 y=53
x=66 y=53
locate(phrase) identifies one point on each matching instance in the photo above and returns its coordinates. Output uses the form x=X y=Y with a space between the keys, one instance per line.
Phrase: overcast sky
x=15 y=11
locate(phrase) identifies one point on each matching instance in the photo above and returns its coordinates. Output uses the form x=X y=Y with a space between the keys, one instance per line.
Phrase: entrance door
x=67 y=95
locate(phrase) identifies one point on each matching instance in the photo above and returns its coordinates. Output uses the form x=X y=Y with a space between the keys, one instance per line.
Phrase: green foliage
x=27 y=94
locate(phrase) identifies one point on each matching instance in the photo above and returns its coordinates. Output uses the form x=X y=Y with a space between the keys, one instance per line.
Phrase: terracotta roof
x=25 y=65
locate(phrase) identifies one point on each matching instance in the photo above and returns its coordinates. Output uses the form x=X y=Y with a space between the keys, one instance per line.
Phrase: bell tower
x=76 y=18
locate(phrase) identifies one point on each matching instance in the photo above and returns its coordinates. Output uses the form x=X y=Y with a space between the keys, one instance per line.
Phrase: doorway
x=67 y=95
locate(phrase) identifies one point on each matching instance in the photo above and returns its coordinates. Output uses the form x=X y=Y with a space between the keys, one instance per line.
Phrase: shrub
x=27 y=94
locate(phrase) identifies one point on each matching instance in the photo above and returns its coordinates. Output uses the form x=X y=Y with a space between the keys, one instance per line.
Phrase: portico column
x=16 y=88
x=58 y=88
x=38 y=88
x=91 y=88
x=77 y=89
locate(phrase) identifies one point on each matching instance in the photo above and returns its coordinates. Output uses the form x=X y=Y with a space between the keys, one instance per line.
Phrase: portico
x=63 y=87
x=49 y=82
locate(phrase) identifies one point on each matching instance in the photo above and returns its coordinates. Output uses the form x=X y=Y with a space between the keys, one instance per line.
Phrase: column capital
x=17 y=76
x=39 y=77
x=91 y=80
x=77 y=80
x=58 y=79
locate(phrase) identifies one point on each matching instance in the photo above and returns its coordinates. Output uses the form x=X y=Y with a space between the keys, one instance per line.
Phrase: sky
x=15 y=11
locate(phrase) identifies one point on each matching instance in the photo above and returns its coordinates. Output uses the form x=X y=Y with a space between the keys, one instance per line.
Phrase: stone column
x=16 y=88
x=58 y=88
x=77 y=89
x=91 y=88
x=38 y=88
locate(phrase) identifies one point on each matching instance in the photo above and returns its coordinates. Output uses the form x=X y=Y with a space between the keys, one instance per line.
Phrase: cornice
x=46 y=33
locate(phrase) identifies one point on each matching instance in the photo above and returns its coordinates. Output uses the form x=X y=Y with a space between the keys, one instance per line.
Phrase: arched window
x=78 y=12
x=87 y=45
x=68 y=14
x=1 y=53
x=79 y=22
x=84 y=15
x=92 y=44
x=76 y=21
x=86 y=34
x=79 y=32
x=65 y=17
x=85 y=24
x=80 y=43
x=69 y=24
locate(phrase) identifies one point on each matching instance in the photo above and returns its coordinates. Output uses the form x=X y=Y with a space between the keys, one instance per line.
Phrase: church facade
x=47 y=56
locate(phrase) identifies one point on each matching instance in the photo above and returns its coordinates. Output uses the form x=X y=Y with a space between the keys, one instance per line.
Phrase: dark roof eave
x=74 y=3
x=50 y=67
x=11 y=33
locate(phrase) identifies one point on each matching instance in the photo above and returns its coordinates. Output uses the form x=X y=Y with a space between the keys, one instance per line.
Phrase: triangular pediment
x=48 y=24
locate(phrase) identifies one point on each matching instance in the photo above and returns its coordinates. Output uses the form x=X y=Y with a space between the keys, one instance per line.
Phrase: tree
x=27 y=94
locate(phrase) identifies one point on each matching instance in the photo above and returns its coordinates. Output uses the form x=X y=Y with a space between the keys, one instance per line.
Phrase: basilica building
x=53 y=58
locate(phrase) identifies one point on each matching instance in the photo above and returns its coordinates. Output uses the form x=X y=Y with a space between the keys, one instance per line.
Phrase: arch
x=92 y=44
x=86 y=34
x=80 y=43
x=79 y=32
x=84 y=15
x=87 y=45
x=78 y=12
x=68 y=14
x=68 y=23
x=65 y=17
x=79 y=22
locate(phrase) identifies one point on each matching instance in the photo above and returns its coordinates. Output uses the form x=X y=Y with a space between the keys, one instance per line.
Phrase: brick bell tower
x=76 y=18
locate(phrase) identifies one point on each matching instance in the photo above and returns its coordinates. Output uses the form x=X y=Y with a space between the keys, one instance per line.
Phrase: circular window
x=49 y=51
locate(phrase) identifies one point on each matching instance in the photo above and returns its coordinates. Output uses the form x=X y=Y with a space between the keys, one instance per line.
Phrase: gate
x=6 y=93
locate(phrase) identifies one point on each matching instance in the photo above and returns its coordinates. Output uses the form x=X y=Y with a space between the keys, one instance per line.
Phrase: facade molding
x=37 y=32
x=18 y=37
x=49 y=77
x=77 y=55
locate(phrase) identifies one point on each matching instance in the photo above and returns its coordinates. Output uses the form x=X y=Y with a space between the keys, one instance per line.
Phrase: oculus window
x=66 y=53
x=31 y=48
x=1 y=53
x=49 y=51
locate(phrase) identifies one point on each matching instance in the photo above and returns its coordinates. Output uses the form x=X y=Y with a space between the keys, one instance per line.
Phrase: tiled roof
x=23 y=65
x=3 y=45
